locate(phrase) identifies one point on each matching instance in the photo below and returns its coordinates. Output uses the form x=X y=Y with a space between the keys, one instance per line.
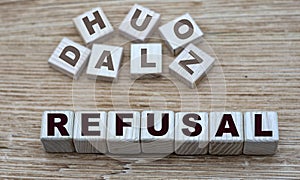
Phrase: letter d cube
x=69 y=58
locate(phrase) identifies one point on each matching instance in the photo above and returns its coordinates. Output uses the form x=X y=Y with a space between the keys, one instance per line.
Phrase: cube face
x=180 y=32
x=191 y=133
x=157 y=132
x=104 y=62
x=261 y=133
x=90 y=132
x=139 y=23
x=69 y=58
x=57 y=131
x=146 y=59
x=191 y=65
x=93 y=25
x=123 y=132
x=226 y=133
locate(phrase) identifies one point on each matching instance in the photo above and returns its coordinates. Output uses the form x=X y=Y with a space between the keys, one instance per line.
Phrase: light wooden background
x=257 y=43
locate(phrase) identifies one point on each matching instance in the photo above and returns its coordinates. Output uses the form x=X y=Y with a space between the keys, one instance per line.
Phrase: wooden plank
x=257 y=45
x=261 y=133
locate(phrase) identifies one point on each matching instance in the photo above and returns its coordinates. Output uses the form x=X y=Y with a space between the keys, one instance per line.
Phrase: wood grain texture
x=257 y=43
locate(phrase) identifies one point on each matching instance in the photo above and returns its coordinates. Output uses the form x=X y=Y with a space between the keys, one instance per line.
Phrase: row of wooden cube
x=156 y=132
x=146 y=59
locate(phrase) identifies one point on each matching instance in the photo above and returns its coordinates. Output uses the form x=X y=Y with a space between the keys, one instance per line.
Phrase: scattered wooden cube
x=180 y=32
x=139 y=24
x=191 y=133
x=226 y=133
x=69 y=58
x=157 y=132
x=261 y=133
x=123 y=132
x=57 y=131
x=93 y=26
x=90 y=132
x=104 y=62
x=145 y=60
x=191 y=65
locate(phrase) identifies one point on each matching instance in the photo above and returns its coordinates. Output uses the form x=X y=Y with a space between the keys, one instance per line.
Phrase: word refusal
x=103 y=61
x=158 y=132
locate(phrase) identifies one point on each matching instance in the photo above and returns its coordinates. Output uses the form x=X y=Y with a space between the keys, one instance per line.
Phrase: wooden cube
x=180 y=32
x=123 y=132
x=191 y=133
x=90 y=132
x=226 y=133
x=93 y=26
x=145 y=60
x=139 y=23
x=157 y=132
x=104 y=62
x=261 y=133
x=191 y=65
x=57 y=131
x=69 y=58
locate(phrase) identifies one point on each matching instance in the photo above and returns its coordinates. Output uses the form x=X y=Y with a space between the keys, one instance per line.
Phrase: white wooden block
x=157 y=132
x=57 y=131
x=261 y=133
x=191 y=65
x=180 y=32
x=139 y=23
x=191 y=133
x=226 y=133
x=146 y=59
x=90 y=132
x=93 y=25
x=123 y=132
x=69 y=58
x=104 y=62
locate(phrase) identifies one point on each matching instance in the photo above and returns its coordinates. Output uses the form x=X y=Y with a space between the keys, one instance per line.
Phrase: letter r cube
x=57 y=131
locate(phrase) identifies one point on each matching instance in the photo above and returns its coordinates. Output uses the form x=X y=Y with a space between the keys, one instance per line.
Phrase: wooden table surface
x=258 y=68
